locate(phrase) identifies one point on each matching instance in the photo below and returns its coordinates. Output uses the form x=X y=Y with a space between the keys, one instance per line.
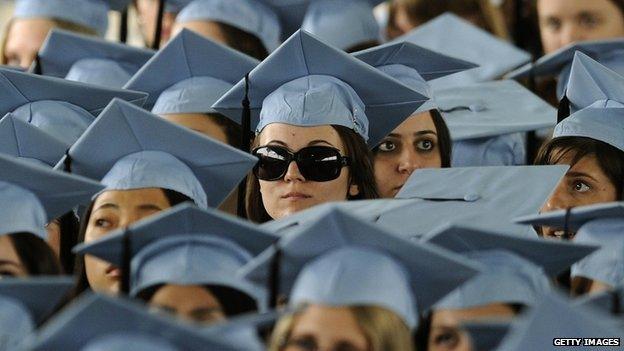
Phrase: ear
x=354 y=190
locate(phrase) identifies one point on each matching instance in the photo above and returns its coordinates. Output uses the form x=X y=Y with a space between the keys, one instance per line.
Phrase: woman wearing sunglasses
x=314 y=120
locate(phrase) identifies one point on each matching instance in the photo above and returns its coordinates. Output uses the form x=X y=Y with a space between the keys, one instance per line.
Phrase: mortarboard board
x=243 y=330
x=187 y=246
x=342 y=24
x=136 y=149
x=105 y=321
x=59 y=107
x=575 y=217
x=25 y=141
x=487 y=195
x=331 y=260
x=175 y=6
x=555 y=317
x=32 y=195
x=363 y=99
x=486 y=335
x=92 y=14
x=453 y=36
x=515 y=269
x=91 y=60
x=250 y=16
x=117 y=5
x=190 y=74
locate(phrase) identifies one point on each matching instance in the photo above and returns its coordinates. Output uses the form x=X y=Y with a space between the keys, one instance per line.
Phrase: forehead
x=573 y=7
x=297 y=137
x=131 y=197
x=416 y=123
x=27 y=33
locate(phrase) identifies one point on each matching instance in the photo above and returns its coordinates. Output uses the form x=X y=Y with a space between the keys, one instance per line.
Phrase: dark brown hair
x=360 y=171
x=610 y=159
x=35 y=254
x=231 y=129
x=244 y=42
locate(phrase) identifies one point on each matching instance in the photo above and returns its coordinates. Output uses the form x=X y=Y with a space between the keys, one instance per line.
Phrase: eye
x=425 y=145
x=589 y=20
x=553 y=24
x=581 y=187
x=103 y=223
x=302 y=344
x=448 y=339
x=386 y=146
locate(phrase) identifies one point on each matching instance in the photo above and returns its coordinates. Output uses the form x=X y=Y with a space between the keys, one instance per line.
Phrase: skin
x=191 y=303
x=24 y=39
x=563 y=22
x=329 y=328
x=584 y=184
x=294 y=193
x=54 y=236
x=200 y=123
x=147 y=15
x=446 y=334
x=208 y=29
x=111 y=210
x=595 y=286
x=10 y=263
x=411 y=146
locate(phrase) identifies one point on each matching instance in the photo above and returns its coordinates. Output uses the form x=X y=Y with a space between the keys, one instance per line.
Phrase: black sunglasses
x=316 y=163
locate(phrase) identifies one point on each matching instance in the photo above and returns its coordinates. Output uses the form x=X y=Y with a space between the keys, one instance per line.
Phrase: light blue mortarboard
x=485 y=195
x=92 y=14
x=608 y=301
x=485 y=120
x=25 y=141
x=137 y=149
x=343 y=24
x=486 y=335
x=91 y=60
x=31 y=195
x=596 y=96
x=609 y=52
x=515 y=269
x=243 y=330
x=332 y=261
x=117 y=5
x=321 y=86
x=98 y=322
x=555 y=317
x=186 y=246
x=575 y=217
x=59 y=107
x=24 y=303
x=190 y=74
x=175 y=6
x=250 y=16
x=453 y=36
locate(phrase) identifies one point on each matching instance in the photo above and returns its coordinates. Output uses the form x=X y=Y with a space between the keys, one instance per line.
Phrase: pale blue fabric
x=25 y=141
x=606 y=264
x=92 y=14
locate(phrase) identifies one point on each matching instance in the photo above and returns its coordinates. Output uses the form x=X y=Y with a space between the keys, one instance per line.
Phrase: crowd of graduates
x=312 y=175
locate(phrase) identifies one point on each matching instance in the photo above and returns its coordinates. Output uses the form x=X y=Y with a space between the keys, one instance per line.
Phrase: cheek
x=96 y=275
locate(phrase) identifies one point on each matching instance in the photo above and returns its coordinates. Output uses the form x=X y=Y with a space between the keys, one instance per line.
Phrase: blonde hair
x=70 y=26
x=384 y=330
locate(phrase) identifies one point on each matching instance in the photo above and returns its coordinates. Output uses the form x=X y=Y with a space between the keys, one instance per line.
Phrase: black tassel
x=617 y=306
x=159 y=20
x=567 y=234
x=244 y=146
x=274 y=277
x=67 y=162
x=125 y=263
x=564 y=109
x=37 y=66
x=123 y=26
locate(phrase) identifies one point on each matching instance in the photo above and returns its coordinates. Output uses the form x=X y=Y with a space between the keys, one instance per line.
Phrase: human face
x=200 y=123
x=412 y=145
x=54 y=236
x=147 y=16
x=446 y=333
x=584 y=184
x=563 y=22
x=293 y=192
x=191 y=303
x=326 y=328
x=208 y=29
x=24 y=39
x=10 y=263
x=112 y=210
x=593 y=286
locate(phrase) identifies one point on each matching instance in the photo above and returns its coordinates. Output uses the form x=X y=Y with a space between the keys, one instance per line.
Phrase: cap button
x=476 y=108
x=471 y=197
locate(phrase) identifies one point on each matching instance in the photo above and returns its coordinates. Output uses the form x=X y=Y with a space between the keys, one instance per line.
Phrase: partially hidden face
x=585 y=183
x=112 y=210
x=191 y=303
x=147 y=16
x=293 y=192
x=200 y=123
x=10 y=263
x=563 y=22
x=24 y=39
x=446 y=333
x=411 y=146
x=321 y=327
x=209 y=29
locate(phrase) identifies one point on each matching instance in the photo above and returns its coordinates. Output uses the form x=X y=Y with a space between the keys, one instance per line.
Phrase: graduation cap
x=243 y=330
x=25 y=141
x=515 y=268
x=453 y=36
x=185 y=246
x=31 y=195
x=608 y=52
x=98 y=322
x=59 y=107
x=611 y=301
x=555 y=317
x=575 y=217
x=25 y=303
x=296 y=84
x=117 y=5
x=249 y=16
x=190 y=74
x=92 y=14
x=343 y=24
x=331 y=261
x=86 y=59
x=136 y=149
x=487 y=195
x=486 y=335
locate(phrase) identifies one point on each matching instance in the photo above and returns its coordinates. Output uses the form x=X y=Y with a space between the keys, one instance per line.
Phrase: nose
x=293 y=174
x=408 y=162
x=559 y=200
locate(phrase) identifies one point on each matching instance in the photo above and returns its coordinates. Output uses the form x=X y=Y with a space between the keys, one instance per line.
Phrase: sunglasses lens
x=319 y=163
x=273 y=163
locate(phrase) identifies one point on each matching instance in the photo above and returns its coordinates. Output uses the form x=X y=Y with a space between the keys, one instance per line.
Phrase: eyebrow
x=418 y=133
x=10 y=263
x=149 y=207
x=581 y=174
x=203 y=311
x=313 y=142
x=106 y=205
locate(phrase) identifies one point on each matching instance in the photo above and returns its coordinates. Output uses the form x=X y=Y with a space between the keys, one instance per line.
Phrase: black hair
x=445 y=145
x=244 y=42
x=35 y=254
x=231 y=129
x=69 y=226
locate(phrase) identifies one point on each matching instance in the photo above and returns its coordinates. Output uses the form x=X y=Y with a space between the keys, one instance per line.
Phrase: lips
x=113 y=272
x=296 y=196
x=556 y=233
